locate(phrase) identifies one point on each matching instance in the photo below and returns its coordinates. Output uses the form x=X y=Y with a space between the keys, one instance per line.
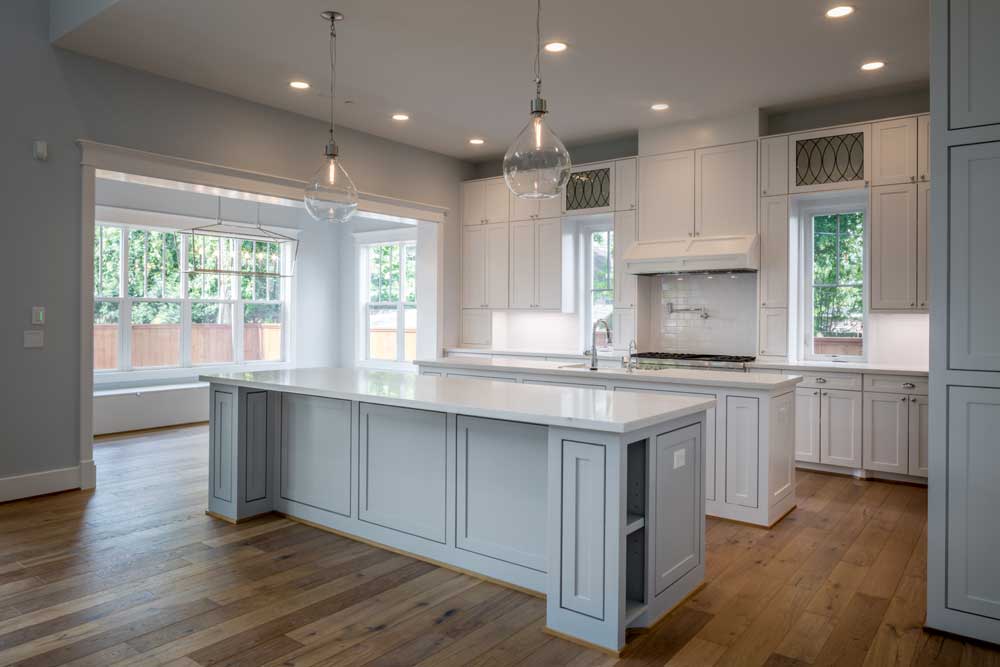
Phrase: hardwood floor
x=135 y=573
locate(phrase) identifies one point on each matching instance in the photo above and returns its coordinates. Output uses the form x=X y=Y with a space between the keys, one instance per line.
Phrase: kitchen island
x=749 y=435
x=593 y=498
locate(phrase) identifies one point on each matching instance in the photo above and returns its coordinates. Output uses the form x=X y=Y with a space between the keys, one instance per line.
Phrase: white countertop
x=584 y=408
x=808 y=366
x=696 y=376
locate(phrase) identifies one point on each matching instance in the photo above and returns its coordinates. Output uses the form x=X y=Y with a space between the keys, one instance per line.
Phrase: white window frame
x=587 y=229
x=365 y=241
x=126 y=373
x=808 y=212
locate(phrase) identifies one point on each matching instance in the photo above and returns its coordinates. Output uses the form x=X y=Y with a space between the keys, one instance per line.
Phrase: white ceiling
x=463 y=68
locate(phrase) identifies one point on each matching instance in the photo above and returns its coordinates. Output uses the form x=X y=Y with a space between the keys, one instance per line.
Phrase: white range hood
x=693 y=255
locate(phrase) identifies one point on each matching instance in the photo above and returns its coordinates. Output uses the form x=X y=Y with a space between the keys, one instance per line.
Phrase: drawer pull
x=909 y=385
x=903 y=399
x=820 y=380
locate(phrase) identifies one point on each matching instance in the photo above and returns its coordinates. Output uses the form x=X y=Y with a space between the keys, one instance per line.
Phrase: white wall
x=682 y=136
x=61 y=97
x=536 y=332
x=901 y=339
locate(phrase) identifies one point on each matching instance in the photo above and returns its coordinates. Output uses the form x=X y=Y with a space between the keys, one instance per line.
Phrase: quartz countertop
x=584 y=408
x=685 y=376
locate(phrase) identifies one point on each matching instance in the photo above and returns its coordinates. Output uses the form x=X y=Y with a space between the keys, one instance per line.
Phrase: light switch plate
x=34 y=338
x=38 y=315
x=680 y=456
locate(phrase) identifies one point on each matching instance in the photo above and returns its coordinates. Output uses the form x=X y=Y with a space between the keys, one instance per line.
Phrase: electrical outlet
x=680 y=458
x=38 y=315
x=34 y=338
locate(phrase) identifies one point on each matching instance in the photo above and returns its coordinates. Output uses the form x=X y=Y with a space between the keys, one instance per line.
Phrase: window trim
x=126 y=373
x=363 y=242
x=587 y=229
x=805 y=322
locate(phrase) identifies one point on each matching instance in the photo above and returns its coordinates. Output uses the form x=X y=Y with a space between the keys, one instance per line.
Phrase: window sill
x=125 y=379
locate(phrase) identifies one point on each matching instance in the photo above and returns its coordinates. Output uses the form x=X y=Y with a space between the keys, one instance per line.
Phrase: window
x=835 y=284
x=600 y=281
x=165 y=299
x=390 y=300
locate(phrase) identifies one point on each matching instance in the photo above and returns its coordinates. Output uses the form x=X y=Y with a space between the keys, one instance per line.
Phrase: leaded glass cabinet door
x=836 y=159
x=590 y=189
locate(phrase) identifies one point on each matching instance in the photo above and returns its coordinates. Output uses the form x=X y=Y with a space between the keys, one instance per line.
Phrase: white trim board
x=48 y=481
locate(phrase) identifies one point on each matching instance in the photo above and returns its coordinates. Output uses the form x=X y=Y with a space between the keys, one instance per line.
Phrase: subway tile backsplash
x=730 y=301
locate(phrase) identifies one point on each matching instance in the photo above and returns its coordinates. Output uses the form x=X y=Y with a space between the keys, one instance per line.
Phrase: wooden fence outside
x=160 y=344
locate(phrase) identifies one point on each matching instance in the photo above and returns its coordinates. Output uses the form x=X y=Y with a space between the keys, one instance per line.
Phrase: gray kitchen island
x=592 y=498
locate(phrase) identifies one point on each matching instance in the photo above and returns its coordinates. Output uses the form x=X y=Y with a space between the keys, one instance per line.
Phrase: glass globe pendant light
x=537 y=164
x=331 y=195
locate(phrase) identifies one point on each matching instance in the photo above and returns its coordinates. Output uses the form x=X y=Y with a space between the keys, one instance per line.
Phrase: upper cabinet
x=626 y=284
x=894 y=152
x=534 y=209
x=590 y=189
x=485 y=202
x=666 y=193
x=773 y=275
x=893 y=264
x=773 y=166
x=726 y=190
x=923 y=148
x=973 y=49
x=835 y=159
x=626 y=194
x=485 y=266
x=536 y=264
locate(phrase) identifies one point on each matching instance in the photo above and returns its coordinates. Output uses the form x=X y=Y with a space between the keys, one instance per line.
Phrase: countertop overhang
x=571 y=407
x=698 y=377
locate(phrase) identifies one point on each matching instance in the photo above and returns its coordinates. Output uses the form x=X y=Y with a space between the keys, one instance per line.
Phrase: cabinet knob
x=763 y=304
x=903 y=399
x=912 y=178
x=764 y=192
x=912 y=305
x=913 y=400
x=866 y=184
x=690 y=233
x=815 y=393
x=923 y=177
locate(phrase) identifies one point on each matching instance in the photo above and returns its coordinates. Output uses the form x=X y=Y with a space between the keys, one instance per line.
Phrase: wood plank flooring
x=134 y=573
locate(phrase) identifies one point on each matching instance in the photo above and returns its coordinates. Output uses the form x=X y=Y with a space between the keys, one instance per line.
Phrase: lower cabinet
x=886 y=432
x=807 y=425
x=403 y=470
x=919 y=410
x=840 y=430
x=678 y=494
x=315 y=452
x=742 y=443
x=501 y=504
x=582 y=569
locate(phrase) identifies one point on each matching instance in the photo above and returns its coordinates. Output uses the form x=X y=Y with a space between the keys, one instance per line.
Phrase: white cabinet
x=624 y=326
x=773 y=166
x=477 y=327
x=774 y=332
x=894 y=151
x=973 y=535
x=807 y=425
x=626 y=180
x=886 y=432
x=485 y=202
x=923 y=148
x=742 y=469
x=918 y=415
x=894 y=248
x=626 y=284
x=826 y=160
x=840 y=434
x=666 y=197
x=582 y=514
x=773 y=273
x=973 y=53
x=485 y=266
x=534 y=209
x=923 y=245
x=726 y=190
x=974 y=303
x=590 y=189
x=536 y=264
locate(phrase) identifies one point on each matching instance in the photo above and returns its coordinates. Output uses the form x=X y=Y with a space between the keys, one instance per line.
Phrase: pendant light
x=331 y=195
x=537 y=164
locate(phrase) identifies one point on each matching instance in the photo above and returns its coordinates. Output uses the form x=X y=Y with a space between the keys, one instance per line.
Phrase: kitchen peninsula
x=594 y=498
x=749 y=434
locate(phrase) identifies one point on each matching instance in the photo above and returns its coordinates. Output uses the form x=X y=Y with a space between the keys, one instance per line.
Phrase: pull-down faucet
x=593 y=341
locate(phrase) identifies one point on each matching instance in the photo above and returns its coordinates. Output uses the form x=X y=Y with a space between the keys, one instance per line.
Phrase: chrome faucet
x=593 y=341
x=630 y=356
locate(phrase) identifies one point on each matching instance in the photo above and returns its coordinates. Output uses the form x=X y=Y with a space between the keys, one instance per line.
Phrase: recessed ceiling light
x=555 y=47
x=400 y=116
x=873 y=65
x=660 y=106
x=839 y=12
x=299 y=85
x=477 y=141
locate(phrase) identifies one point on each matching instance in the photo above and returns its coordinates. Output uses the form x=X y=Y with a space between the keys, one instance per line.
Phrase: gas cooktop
x=692 y=360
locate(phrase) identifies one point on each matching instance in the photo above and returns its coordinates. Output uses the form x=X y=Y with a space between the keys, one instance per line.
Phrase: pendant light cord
x=333 y=68
x=538 y=50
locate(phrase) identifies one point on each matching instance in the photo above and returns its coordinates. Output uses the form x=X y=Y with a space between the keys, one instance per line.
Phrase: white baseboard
x=122 y=410
x=49 y=481
x=859 y=473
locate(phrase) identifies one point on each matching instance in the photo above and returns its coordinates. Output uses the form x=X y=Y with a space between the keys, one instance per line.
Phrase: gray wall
x=596 y=151
x=62 y=97
x=855 y=110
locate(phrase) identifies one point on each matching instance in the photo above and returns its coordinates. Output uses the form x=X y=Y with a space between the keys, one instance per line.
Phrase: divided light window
x=835 y=285
x=600 y=281
x=390 y=300
x=163 y=299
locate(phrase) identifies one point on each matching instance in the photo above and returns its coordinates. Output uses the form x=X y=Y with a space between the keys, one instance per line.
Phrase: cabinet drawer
x=898 y=384
x=850 y=381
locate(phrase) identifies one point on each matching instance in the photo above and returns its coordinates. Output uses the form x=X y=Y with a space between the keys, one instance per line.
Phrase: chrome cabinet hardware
x=909 y=385
x=820 y=380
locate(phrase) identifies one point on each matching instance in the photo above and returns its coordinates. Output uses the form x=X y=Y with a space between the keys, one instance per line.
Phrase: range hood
x=694 y=255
